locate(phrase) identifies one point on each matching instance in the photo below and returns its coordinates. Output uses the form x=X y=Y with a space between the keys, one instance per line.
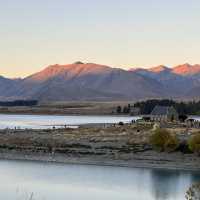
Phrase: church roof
x=160 y=110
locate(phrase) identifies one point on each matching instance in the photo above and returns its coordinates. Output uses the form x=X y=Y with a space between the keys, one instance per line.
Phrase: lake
x=51 y=181
x=48 y=121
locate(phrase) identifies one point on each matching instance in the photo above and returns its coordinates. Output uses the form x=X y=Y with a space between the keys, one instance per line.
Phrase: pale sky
x=119 y=33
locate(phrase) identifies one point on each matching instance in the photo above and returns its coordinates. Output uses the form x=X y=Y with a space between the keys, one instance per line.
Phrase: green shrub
x=163 y=140
x=194 y=144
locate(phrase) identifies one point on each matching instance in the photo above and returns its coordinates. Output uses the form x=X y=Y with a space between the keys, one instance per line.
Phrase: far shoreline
x=67 y=114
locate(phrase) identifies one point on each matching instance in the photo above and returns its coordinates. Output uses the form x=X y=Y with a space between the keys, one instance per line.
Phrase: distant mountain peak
x=187 y=64
x=133 y=69
x=67 y=71
x=156 y=69
x=159 y=69
x=186 y=69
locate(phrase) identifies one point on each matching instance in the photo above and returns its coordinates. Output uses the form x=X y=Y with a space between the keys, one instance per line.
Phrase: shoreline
x=120 y=146
x=155 y=161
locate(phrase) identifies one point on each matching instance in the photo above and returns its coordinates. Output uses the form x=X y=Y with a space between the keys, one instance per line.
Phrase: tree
x=163 y=140
x=126 y=109
x=194 y=143
x=119 y=109
x=129 y=108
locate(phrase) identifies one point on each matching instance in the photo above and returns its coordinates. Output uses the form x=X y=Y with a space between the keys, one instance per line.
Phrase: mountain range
x=88 y=81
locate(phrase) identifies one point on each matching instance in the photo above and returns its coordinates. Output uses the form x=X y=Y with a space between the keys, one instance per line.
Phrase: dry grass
x=82 y=108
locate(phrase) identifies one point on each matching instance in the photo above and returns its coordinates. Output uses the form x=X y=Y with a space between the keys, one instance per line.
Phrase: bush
x=163 y=140
x=193 y=192
x=184 y=148
x=121 y=123
x=194 y=144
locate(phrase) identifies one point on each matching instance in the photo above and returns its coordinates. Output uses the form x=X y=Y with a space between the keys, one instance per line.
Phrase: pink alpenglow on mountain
x=95 y=82
x=186 y=69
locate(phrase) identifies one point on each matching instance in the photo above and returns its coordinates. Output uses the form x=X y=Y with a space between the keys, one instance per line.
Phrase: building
x=164 y=113
x=193 y=122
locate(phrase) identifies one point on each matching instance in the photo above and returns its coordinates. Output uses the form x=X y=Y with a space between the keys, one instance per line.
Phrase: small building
x=193 y=122
x=164 y=113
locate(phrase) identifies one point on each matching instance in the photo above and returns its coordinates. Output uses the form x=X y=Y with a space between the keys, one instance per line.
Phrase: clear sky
x=120 y=33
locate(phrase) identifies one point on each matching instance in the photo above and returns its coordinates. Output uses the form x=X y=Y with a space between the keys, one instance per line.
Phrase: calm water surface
x=47 y=181
x=48 y=121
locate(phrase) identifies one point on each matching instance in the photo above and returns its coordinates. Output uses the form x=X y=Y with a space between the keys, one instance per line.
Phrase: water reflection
x=49 y=121
x=166 y=183
x=57 y=181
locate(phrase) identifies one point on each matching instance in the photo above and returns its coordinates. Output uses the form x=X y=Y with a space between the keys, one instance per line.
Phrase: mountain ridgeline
x=94 y=82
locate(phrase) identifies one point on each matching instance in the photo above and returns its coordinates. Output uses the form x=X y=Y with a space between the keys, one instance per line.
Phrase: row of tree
x=125 y=109
x=19 y=103
x=183 y=108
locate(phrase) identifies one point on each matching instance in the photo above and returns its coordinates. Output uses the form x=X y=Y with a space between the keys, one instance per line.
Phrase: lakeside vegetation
x=165 y=140
x=194 y=144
